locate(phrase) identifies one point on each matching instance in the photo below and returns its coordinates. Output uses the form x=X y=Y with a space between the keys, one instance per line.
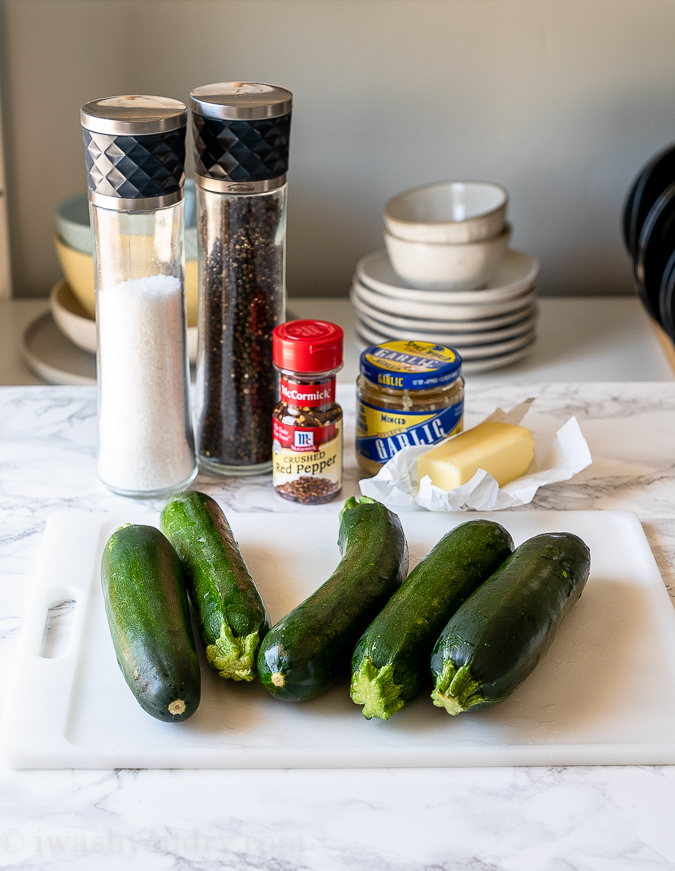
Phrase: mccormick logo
x=303 y=439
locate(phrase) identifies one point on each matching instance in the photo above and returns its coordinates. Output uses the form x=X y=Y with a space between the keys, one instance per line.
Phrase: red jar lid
x=307 y=346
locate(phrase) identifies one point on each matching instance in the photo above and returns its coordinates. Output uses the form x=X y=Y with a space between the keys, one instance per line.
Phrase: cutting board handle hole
x=58 y=625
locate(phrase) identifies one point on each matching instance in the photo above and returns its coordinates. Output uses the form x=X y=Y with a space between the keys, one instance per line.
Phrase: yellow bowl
x=78 y=270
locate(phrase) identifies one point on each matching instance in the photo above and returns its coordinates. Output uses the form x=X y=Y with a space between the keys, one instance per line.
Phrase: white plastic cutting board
x=604 y=694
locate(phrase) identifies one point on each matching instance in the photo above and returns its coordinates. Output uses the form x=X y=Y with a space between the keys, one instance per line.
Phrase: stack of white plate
x=490 y=327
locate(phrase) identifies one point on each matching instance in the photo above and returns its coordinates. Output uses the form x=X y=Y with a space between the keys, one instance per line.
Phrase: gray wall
x=562 y=101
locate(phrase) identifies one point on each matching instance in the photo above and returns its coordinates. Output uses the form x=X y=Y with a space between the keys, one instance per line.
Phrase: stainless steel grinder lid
x=241 y=136
x=134 y=151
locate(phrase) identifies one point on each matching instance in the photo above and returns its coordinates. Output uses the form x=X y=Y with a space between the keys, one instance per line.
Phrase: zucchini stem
x=456 y=690
x=374 y=688
x=233 y=657
x=353 y=501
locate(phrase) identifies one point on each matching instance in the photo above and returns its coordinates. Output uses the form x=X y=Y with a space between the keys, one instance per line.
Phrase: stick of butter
x=504 y=450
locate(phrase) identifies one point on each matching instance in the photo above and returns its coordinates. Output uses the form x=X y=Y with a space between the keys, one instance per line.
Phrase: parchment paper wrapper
x=557 y=457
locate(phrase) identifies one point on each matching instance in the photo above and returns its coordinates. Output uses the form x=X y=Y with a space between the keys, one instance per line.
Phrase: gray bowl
x=72 y=223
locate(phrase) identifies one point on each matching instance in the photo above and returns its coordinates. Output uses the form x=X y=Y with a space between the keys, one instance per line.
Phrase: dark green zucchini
x=309 y=648
x=230 y=613
x=498 y=636
x=148 y=615
x=391 y=659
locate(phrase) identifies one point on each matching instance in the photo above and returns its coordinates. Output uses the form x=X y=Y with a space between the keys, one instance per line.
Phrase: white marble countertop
x=504 y=819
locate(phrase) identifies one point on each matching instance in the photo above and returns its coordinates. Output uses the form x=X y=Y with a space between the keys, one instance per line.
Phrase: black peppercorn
x=241 y=300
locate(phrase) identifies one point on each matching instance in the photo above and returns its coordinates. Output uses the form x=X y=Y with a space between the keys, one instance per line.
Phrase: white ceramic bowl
x=516 y=272
x=450 y=211
x=438 y=266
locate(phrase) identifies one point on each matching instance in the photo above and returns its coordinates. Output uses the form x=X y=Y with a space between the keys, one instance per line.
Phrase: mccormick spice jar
x=408 y=393
x=307 y=422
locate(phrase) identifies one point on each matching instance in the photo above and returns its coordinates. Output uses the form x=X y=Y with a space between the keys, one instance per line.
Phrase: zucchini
x=231 y=615
x=148 y=615
x=390 y=663
x=309 y=648
x=498 y=636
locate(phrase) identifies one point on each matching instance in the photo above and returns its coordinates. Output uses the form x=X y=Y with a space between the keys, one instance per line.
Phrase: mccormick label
x=307 y=461
x=383 y=432
x=302 y=438
x=307 y=395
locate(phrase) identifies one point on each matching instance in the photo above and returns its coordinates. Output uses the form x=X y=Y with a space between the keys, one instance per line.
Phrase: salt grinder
x=241 y=141
x=135 y=157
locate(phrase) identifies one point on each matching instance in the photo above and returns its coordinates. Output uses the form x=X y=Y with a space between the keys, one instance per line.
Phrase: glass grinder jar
x=135 y=157
x=241 y=140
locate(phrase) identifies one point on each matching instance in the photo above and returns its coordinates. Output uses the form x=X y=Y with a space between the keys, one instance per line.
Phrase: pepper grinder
x=241 y=142
x=135 y=157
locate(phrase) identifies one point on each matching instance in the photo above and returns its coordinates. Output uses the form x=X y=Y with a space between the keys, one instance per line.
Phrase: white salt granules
x=145 y=440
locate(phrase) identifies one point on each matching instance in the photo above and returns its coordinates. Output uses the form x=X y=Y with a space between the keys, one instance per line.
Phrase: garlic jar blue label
x=383 y=432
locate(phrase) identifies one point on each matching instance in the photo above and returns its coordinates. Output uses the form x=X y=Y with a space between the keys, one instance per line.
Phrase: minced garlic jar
x=408 y=393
